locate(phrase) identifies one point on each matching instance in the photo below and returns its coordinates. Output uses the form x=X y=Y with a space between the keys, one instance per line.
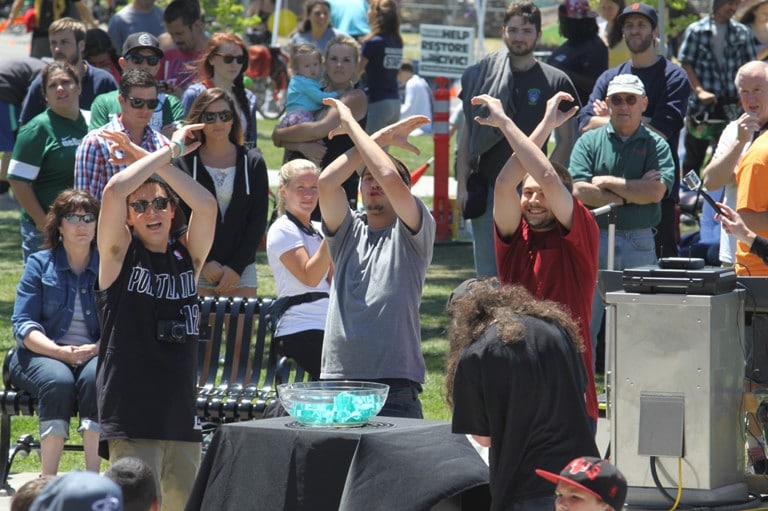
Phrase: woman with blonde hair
x=310 y=139
x=301 y=263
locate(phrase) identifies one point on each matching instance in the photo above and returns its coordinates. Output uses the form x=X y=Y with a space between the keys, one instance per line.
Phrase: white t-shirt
x=728 y=139
x=418 y=100
x=283 y=236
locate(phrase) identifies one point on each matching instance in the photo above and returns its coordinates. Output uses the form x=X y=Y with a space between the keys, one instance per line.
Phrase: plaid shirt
x=92 y=167
x=697 y=50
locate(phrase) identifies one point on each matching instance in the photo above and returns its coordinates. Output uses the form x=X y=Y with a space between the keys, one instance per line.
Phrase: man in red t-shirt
x=546 y=240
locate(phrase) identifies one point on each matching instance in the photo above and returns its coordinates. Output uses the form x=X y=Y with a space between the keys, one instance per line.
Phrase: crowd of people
x=149 y=189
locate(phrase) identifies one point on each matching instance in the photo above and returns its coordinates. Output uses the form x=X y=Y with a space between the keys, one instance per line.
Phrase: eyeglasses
x=158 y=204
x=74 y=218
x=618 y=100
x=229 y=58
x=210 y=117
x=137 y=59
x=139 y=102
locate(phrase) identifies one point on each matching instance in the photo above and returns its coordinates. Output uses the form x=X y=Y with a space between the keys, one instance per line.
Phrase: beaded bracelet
x=181 y=148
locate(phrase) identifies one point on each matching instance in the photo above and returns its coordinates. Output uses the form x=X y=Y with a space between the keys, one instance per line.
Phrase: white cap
x=626 y=83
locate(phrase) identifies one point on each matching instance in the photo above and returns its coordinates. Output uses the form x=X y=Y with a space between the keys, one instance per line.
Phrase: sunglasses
x=158 y=204
x=210 y=117
x=137 y=59
x=618 y=100
x=138 y=102
x=74 y=218
x=229 y=58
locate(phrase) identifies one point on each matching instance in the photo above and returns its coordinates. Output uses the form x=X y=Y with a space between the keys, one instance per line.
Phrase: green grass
x=451 y=264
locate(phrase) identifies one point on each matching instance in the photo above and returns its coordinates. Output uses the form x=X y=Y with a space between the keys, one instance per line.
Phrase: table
x=390 y=464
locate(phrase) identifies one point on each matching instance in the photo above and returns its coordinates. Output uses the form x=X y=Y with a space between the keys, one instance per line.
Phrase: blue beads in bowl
x=334 y=404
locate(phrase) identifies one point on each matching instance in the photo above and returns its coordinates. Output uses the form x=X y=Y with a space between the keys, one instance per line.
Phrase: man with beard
x=546 y=240
x=67 y=39
x=735 y=140
x=667 y=89
x=380 y=261
x=523 y=85
x=184 y=23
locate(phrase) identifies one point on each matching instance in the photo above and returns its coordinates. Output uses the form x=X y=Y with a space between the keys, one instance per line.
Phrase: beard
x=521 y=49
x=639 y=46
x=542 y=224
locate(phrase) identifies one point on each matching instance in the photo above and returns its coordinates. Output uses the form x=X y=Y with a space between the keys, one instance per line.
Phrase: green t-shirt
x=168 y=110
x=602 y=152
x=44 y=155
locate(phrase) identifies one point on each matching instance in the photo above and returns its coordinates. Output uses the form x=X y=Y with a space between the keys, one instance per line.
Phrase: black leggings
x=305 y=348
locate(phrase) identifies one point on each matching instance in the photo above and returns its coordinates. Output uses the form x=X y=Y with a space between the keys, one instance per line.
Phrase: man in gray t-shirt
x=380 y=262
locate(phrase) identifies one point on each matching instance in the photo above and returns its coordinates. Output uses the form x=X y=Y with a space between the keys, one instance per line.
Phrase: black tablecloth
x=391 y=464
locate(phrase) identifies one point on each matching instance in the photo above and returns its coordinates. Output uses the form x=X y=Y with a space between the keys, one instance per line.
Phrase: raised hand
x=553 y=116
x=186 y=135
x=397 y=134
x=496 y=114
x=345 y=117
x=748 y=124
x=122 y=150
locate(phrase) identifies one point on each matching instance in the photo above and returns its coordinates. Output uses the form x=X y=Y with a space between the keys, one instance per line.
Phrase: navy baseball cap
x=593 y=475
x=641 y=9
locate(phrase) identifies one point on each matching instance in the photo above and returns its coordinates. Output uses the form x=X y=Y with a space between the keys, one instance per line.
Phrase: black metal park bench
x=238 y=371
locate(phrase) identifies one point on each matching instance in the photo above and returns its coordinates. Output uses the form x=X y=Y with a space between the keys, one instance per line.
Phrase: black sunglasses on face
x=210 y=117
x=618 y=100
x=137 y=59
x=74 y=218
x=229 y=58
x=158 y=203
x=138 y=102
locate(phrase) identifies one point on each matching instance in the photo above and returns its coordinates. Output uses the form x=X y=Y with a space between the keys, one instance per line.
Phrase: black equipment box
x=709 y=280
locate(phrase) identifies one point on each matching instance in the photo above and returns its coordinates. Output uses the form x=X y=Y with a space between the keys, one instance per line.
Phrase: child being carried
x=305 y=92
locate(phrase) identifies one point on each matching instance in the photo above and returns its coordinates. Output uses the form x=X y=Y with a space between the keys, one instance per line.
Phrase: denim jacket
x=45 y=298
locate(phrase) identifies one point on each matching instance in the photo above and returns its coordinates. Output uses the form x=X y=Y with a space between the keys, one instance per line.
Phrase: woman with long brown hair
x=222 y=65
x=237 y=177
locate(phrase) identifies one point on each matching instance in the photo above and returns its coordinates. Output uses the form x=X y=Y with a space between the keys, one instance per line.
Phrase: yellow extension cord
x=679 y=484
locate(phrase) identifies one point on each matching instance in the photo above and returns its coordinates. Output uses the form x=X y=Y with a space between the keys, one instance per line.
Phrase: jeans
x=632 y=248
x=31 y=239
x=381 y=114
x=483 y=244
x=59 y=388
x=545 y=503
x=403 y=401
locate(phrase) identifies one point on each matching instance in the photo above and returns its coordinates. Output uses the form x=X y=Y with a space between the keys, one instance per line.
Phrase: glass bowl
x=334 y=404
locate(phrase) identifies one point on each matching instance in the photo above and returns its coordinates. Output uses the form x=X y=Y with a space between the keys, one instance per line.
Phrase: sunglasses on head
x=137 y=59
x=618 y=100
x=210 y=117
x=158 y=204
x=75 y=218
x=139 y=103
x=229 y=58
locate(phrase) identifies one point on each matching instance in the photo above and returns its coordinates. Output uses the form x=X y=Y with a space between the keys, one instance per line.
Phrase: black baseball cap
x=593 y=475
x=641 y=9
x=139 y=40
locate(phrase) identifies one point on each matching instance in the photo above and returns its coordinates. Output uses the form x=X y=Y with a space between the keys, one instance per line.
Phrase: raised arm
x=368 y=152
x=721 y=170
x=317 y=130
x=527 y=157
x=114 y=236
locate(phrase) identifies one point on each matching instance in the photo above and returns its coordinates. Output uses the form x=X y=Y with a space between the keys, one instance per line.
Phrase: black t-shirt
x=528 y=396
x=147 y=388
x=532 y=89
x=16 y=75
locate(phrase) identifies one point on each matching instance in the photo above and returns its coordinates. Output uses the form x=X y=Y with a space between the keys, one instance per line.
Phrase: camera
x=171 y=331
